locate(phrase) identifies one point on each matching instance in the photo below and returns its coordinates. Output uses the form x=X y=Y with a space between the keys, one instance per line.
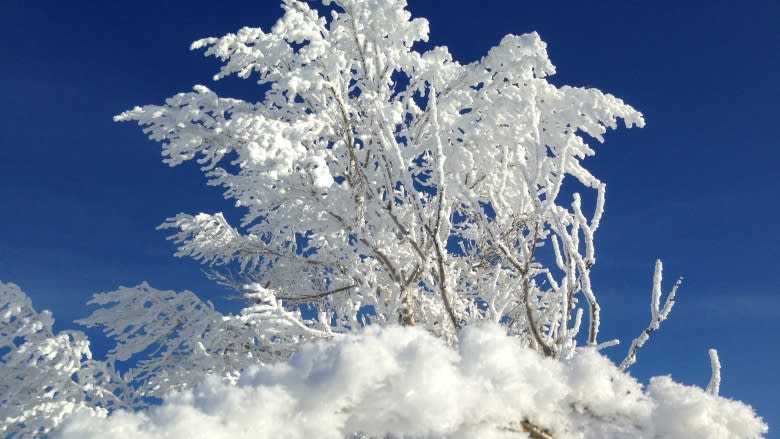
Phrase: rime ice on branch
x=386 y=184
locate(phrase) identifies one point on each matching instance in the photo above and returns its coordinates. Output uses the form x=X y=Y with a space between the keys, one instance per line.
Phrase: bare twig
x=524 y=269
x=533 y=430
x=321 y=295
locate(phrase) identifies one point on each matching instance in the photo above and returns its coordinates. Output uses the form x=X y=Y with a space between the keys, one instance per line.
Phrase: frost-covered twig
x=713 y=387
x=657 y=313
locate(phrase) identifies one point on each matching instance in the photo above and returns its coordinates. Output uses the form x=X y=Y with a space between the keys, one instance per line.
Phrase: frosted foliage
x=403 y=382
x=174 y=340
x=164 y=341
x=45 y=376
x=385 y=184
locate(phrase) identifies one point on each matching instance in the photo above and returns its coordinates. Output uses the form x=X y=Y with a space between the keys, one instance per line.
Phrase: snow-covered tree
x=384 y=184
x=379 y=185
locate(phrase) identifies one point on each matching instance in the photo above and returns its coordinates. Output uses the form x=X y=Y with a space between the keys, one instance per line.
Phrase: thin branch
x=443 y=283
x=310 y=297
x=384 y=259
x=524 y=270
x=658 y=314
x=436 y=232
x=533 y=430
x=713 y=388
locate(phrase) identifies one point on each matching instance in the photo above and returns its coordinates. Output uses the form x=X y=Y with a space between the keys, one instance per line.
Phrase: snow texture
x=405 y=382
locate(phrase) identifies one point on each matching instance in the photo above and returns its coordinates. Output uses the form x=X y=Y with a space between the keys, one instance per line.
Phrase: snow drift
x=408 y=383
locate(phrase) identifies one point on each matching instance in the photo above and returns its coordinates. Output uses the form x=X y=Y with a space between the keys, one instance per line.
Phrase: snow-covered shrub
x=380 y=185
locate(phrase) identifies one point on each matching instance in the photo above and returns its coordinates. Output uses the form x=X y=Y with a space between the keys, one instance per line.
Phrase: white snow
x=406 y=382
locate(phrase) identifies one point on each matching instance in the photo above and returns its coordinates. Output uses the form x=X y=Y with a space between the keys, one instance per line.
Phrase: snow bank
x=408 y=383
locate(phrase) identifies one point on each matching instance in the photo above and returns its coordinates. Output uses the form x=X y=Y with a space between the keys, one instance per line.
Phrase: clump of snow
x=408 y=383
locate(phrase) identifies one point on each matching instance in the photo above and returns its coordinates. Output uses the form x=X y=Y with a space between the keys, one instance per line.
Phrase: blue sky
x=81 y=195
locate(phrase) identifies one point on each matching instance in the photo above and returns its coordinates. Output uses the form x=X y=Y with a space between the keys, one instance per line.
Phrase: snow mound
x=408 y=383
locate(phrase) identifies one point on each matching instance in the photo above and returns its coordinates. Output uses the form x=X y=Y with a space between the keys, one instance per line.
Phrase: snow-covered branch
x=713 y=387
x=657 y=314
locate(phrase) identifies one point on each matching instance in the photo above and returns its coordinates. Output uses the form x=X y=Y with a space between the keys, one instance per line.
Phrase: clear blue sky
x=80 y=195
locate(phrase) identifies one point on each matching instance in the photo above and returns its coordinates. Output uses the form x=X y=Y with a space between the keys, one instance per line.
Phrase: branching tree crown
x=385 y=184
